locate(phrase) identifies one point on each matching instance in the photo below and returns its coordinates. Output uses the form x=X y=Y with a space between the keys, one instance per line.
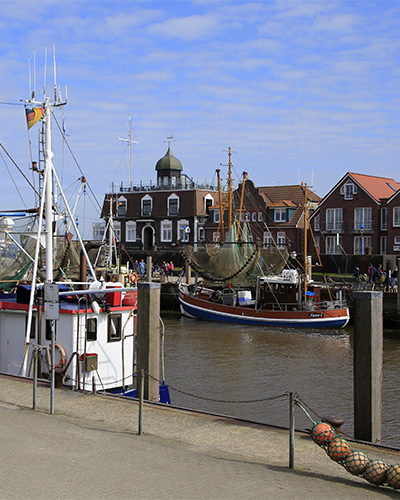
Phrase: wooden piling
x=148 y=338
x=368 y=354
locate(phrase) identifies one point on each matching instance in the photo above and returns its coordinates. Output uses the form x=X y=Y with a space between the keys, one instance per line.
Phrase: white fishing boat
x=80 y=333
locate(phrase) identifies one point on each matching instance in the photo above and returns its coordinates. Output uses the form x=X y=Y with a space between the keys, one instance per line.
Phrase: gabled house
x=354 y=218
x=285 y=214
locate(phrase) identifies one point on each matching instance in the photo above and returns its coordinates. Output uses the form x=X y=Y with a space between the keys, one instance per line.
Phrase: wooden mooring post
x=368 y=355
x=148 y=338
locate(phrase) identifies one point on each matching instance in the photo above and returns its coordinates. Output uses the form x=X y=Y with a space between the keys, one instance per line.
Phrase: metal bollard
x=141 y=374
x=291 y=429
x=35 y=368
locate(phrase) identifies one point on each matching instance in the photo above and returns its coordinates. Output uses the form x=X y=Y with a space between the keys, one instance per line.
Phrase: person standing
x=142 y=268
x=171 y=268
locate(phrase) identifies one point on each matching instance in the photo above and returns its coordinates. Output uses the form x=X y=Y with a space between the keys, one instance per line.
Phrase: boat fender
x=134 y=277
x=63 y=355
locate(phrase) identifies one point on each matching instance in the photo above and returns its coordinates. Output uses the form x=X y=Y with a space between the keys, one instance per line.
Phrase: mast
x=241 y=205
x=221 y=211
x=305 y=242
x=129 y=141
x=49 y=193
x=229 y=189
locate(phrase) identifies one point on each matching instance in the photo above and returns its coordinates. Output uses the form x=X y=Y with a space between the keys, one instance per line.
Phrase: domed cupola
x=168 y=170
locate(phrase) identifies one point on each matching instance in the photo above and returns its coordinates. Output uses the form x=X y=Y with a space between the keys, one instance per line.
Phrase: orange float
x=338 y=449
x=393 y=476
x=322 y=433
x=376 y=471
x=356 y=462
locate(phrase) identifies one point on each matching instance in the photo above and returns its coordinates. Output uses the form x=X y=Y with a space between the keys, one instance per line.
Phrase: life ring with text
x=134 y=277
x=63 y=356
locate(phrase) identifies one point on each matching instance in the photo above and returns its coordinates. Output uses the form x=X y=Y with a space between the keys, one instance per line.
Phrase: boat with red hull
x=268 y=307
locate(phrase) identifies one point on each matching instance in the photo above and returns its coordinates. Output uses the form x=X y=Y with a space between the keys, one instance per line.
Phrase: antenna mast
x=129 y=141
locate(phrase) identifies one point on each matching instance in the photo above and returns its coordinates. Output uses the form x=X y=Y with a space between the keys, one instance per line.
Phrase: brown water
x=244 y=363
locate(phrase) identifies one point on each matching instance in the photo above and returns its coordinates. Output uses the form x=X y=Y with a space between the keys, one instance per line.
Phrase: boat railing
x=307 y=306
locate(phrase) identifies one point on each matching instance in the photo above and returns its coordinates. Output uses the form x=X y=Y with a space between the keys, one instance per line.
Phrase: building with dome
x=155 y=219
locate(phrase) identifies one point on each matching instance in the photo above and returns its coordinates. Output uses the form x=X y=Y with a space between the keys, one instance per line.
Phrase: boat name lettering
x=316 y=315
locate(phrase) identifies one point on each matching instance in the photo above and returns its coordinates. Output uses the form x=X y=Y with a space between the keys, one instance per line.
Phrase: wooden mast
x=221 y=208
x=305 y=242
x=241 y=205
x=229 y=190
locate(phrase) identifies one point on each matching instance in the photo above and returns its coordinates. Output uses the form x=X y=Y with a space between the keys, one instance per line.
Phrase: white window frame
x=217 y=216
x=268 y=240
x=367 y=243
x=130 y=231
x=208 y=197
x=331 y=245
x=122 y=205
x=397 y=240
x=166 y=231
x=384 y=219
x=383 y=245
x=396 y=216
x=183 y=235
x=334 y=219
x=348 y=190
x=316 y=222
x=146 y=198
x=281 y=239
x=260 y=217
x=363 y=217
x=280 y=215
x=98 y=230
x=202 y=234
x=254 y=217
x=174 y=197
x=117 y=230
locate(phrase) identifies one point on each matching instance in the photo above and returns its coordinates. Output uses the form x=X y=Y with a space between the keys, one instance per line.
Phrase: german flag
x=33 y=115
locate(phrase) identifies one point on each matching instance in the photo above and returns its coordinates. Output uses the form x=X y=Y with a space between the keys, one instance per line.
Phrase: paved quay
x=89 y=449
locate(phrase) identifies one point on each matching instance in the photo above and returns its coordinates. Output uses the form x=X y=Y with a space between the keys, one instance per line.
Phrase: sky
x=301 y=91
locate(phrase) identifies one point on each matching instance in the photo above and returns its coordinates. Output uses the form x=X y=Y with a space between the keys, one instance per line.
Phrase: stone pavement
x=90 y=449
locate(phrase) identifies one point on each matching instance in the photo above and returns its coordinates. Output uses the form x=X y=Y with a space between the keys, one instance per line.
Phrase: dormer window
x=173 y=204
x=121 y=206
x=147 y=205
x=280 y=215
x=348 y=190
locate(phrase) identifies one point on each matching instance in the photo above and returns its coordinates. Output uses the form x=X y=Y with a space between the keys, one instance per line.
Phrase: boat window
x=48 y=329
x=32 y=335
x=91 y=329
x=114 y=327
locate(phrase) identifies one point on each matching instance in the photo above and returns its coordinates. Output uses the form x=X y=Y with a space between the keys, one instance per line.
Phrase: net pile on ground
x=356 y=462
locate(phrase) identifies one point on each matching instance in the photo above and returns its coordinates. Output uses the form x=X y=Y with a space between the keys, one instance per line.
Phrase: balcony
x=366 y=227
x=332 y=227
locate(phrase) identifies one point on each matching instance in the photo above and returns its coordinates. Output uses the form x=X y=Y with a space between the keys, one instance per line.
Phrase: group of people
x=166 y=269
x=377 y=276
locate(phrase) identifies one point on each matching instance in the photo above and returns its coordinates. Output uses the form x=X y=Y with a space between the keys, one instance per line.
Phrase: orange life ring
x=63 y=355
x=134 y=277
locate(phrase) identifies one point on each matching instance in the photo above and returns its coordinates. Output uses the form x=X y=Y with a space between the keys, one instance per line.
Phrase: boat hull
x=203 y=309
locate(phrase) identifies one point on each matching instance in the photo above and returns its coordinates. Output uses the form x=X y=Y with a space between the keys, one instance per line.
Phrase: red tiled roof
x=378 y=187
x=294 y=193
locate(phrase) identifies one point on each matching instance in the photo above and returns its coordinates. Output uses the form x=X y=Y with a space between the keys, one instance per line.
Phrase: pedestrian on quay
x=171 y=268
x=166 y=270
x=142 y=268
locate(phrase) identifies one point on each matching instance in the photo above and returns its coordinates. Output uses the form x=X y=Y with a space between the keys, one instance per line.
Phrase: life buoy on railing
x=134 y=277
x=63 y=355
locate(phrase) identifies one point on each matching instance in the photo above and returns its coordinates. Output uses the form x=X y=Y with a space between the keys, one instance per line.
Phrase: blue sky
x=300 y=90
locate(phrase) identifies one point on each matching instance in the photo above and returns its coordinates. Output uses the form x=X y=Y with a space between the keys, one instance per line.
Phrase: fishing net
x=356 y=462
x=237 y=259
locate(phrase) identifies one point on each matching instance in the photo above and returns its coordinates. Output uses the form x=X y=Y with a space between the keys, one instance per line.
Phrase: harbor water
x=246 y=372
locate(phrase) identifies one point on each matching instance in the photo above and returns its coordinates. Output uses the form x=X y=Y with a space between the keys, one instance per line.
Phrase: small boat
x=276 y=301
